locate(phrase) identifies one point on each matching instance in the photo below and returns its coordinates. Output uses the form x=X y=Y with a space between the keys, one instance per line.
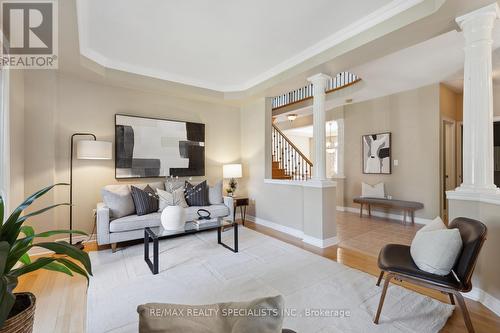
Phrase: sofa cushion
x=197 y=195
x=118 y=199
x=215 y=193
x=372 y=191
x=215 y=211
x=175 y=198
x=435 y=248
x=222 y=317
x=154 y=185
x=144 y=200
x=135 y=222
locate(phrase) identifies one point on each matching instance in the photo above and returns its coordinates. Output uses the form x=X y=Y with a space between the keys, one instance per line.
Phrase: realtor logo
x=29 y=34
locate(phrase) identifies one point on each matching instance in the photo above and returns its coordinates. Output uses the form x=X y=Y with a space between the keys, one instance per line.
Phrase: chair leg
x=465 y=313
x=113 y=247
x=452 y=300
x=380 y=277
x=382 y=297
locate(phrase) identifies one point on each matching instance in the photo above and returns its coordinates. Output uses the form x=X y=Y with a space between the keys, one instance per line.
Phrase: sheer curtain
x=4 y=137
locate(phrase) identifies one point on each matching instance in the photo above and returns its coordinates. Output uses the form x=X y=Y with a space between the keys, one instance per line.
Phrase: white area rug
x=195 y=270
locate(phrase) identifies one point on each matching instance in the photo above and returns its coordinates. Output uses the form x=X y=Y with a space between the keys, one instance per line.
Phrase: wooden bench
x=408 y=207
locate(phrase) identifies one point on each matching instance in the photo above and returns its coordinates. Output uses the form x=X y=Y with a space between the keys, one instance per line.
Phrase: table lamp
x=232 y=171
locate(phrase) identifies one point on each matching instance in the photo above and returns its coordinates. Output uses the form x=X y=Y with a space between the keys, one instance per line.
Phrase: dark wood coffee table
x=408 y=207
x=157 y=233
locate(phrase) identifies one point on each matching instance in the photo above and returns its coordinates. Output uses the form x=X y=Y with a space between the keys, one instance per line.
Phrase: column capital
x=490 y=12
x=319 y=79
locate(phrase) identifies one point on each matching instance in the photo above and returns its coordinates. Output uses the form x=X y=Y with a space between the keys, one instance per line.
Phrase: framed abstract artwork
x=151 y=147
x=377 y=153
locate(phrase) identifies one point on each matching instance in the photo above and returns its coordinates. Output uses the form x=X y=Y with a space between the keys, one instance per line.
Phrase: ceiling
x=224 y=45
x=437 y=60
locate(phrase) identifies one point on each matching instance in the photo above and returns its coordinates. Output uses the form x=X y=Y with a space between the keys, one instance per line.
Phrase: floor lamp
x=86 y=150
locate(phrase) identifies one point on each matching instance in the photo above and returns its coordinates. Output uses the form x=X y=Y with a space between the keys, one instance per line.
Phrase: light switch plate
x=396 y=162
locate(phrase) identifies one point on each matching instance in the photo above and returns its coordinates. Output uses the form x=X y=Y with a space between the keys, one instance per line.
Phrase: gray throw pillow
x=175 y=198
x=263 y=315
x=119 y=200
x=215 y=194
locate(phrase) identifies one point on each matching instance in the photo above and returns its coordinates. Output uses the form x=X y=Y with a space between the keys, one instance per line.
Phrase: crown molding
x=384 y=13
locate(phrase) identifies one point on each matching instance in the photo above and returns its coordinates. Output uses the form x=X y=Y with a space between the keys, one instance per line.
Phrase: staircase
x=288 y=161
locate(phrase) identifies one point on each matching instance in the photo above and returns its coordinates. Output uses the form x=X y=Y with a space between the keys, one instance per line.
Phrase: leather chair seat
x=397 y=258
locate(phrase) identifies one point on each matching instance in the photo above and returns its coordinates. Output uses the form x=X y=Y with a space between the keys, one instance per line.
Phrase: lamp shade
x=93 y=150
x=231 y=171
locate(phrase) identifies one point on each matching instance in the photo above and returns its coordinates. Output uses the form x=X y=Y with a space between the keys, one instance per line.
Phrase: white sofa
x=112 y=231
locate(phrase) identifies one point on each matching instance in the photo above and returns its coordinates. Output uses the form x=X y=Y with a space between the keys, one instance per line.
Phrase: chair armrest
x=229 y=202
x=102 y=219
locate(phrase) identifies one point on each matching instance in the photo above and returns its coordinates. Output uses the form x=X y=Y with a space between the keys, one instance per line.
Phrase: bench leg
x=369 y=210
x=404 y=216
x=412 y=217
x=361 y=211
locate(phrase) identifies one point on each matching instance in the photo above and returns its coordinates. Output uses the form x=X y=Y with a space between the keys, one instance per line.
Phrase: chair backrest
x=473 y=236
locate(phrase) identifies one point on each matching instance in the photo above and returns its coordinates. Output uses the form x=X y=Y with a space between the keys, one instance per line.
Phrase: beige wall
x=57 y=106
x=16 y=115
x=487 y=273
x=280 y=204
x=413 y=119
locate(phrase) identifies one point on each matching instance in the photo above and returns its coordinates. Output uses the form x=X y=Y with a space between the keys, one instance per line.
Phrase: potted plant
x=16 y=239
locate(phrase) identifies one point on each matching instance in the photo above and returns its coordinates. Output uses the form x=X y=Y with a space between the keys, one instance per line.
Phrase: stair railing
x=294 y=163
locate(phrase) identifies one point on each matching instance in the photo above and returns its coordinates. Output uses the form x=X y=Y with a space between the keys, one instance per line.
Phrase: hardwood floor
x=61 y=300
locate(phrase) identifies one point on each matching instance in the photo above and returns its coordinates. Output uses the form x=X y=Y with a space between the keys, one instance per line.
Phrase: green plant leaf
x=7 y=298
x=25 y=259
x=70 y=251
x=10 y=229
x=27 y=230
x=4 y=256
x=2 y=207
x=74 y=267
x=57 y=232
x=57 y=267
x=37 y=264
x=38 y=212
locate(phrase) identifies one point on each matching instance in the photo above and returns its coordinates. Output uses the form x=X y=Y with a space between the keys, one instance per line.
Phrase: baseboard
x=287 y=230
x=341 y=208
x=38 y=251
x=391 y=216
x=484 y=298
x=321 y=243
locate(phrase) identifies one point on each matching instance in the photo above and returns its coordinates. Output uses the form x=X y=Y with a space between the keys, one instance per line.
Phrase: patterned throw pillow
x=175 y=198
x=197 y=195
x=145 y=200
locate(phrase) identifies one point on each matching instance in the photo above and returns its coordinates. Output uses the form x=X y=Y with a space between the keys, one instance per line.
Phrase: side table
x=236 y=202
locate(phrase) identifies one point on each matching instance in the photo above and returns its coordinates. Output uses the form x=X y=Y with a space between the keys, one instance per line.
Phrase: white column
x=477 y=27
x=319 y=82
x=340 y=148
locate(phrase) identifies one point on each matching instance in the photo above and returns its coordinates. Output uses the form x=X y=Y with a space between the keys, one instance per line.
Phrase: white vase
x=173 y=218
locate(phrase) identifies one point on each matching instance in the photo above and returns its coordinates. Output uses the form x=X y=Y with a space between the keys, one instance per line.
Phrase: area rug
x=321 y=295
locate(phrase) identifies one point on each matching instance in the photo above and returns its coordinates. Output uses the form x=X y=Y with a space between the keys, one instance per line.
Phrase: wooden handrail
x=293 y=146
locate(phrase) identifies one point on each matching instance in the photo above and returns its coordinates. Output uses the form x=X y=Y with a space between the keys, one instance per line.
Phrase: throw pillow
x=145 y=200
x=375 y=191
x=175 y=198
x=196 y=195
x=119 y=200
x=215 y=194
x=435 y=248
x=264 y=315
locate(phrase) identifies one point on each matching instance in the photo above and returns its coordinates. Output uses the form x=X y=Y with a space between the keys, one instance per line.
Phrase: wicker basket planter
x=23 y=315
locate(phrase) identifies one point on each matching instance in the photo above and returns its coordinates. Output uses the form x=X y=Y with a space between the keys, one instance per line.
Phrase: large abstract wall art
x=377 y=153
x=149 y=147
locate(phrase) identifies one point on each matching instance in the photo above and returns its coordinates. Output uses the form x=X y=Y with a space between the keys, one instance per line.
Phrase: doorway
x=496 y=144
x=449 y=176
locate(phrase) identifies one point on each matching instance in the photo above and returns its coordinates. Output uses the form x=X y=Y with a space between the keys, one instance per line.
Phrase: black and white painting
x=377 y=153
x=149 y=147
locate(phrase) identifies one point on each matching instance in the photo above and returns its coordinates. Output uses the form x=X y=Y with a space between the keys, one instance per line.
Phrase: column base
x=469 y=193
